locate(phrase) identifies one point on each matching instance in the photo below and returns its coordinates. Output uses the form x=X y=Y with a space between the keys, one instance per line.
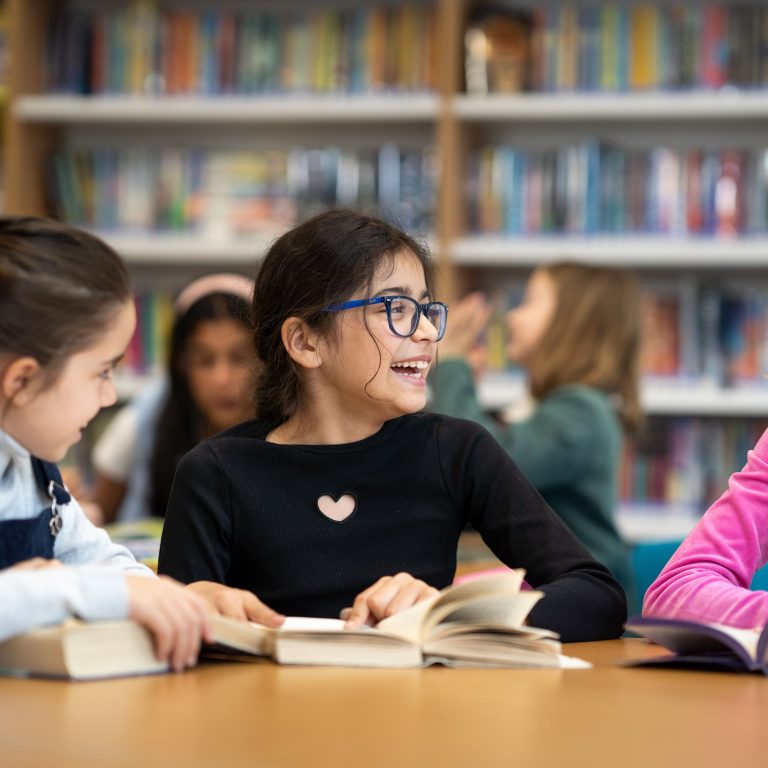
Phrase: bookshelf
x=455 y=123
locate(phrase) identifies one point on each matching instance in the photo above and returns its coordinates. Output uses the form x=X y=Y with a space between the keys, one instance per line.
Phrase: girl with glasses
x=343 y=493
x=577 y=334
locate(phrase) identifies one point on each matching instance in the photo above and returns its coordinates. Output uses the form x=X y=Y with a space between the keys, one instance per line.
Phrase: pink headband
x=221 y=282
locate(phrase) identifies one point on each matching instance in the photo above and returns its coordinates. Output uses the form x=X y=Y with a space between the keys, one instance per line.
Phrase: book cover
x=703 y=645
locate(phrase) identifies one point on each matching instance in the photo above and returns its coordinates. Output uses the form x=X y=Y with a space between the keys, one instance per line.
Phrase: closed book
x=79 y=650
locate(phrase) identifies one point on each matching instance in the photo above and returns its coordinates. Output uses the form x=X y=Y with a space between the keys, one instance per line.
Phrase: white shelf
x=496 y=392
x=53 y=108
x=652 y=251
x=187 y=249
x=654 y=524
x=725 y=105
x=197 y=249
x=693 y=401
x=226 y=110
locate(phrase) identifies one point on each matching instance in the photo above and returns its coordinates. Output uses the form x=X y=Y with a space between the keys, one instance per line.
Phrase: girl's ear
x=16 y=380
x=301 y=343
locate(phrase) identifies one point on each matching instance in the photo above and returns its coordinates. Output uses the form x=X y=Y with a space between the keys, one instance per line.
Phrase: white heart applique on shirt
x=337 y=510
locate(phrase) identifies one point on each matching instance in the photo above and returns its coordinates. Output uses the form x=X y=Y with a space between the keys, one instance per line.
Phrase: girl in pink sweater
x=708 y=578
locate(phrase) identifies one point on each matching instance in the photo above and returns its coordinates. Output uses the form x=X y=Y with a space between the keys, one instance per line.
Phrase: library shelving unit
x=683 y=119
x=40 y=120
x=453 y=121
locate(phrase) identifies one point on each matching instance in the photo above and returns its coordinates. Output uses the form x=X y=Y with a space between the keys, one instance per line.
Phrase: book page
x=309 y=624
x=501 y=610
x=415 y=623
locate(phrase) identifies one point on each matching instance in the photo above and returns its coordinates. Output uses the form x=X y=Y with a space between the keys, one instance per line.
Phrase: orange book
x=377 y=48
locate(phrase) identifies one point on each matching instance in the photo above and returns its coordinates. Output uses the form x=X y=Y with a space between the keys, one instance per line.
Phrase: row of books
x=713 y=335
x=684 y=464
x=634 y=46
x=231 y=193
x=141 y=47
x=147 y=352
x=597 y=187
x=695 y=333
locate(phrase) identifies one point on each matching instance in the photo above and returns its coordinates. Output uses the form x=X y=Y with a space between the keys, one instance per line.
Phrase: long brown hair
x=180 y=425
x=593 y=337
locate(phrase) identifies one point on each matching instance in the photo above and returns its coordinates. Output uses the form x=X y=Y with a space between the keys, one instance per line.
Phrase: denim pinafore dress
x=34 y=537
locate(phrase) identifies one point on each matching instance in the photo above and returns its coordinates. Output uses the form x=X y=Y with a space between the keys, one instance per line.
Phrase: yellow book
x=644 y=42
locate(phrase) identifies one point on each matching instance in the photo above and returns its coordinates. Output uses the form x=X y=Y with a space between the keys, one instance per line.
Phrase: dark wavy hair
x=323 y=261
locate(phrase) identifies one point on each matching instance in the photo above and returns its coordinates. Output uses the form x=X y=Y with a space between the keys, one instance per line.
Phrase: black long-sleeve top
x=244 y=512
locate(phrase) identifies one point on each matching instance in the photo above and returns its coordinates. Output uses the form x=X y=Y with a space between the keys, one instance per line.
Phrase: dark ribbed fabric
x=243 y=512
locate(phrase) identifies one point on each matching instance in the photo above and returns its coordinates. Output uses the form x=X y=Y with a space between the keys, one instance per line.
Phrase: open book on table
x=703 y=645
x=480 y=623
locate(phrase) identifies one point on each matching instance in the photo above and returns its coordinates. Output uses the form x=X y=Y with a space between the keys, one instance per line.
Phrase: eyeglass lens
x=404 y=315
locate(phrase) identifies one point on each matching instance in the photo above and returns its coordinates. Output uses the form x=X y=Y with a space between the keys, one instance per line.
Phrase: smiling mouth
x=412 y=369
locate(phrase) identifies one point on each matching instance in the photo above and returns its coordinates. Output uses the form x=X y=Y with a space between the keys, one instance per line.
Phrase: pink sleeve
x=708 y=578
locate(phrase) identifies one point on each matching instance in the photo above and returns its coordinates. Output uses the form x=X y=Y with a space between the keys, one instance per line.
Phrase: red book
x=226 y=51
x=693 y=215
x=713 y=62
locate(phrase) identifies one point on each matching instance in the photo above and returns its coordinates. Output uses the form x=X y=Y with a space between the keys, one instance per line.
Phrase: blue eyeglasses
x=403 y=313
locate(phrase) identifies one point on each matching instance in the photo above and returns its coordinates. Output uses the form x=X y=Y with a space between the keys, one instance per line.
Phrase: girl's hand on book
x=389 y=595
x=177 y=618
x=236 y=603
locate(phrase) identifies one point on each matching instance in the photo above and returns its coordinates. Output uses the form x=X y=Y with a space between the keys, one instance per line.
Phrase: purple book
x=700 y=645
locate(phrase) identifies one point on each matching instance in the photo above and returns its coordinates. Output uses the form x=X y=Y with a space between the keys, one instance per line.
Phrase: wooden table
x=260 y=714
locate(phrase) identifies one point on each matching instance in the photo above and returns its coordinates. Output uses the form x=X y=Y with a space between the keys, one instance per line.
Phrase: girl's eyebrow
x=401 y=291
x=115 y=360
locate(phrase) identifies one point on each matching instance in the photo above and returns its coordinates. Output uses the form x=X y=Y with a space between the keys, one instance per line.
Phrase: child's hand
x=390 y=594
x=177 y=618
x=236 y=603
x=467 y=321
x=35 y=564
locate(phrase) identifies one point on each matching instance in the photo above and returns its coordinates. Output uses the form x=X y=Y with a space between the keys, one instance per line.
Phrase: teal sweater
x=569 y=449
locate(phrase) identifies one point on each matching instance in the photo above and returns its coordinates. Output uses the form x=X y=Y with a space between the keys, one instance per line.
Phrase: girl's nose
x=108 y=393
x=425 y=329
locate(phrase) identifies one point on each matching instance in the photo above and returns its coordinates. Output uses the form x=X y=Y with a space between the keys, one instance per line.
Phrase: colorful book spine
x=230 y=193
x=594 y=187
x=144 y=47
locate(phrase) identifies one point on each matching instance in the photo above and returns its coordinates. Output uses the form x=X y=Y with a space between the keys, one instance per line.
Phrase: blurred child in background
x=577 y=334
x=210 y=385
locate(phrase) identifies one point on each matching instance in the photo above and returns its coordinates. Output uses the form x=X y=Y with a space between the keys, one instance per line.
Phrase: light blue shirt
x=91 y=587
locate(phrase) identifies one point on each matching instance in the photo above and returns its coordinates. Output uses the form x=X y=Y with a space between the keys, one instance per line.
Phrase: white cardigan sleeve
x=35 y=598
